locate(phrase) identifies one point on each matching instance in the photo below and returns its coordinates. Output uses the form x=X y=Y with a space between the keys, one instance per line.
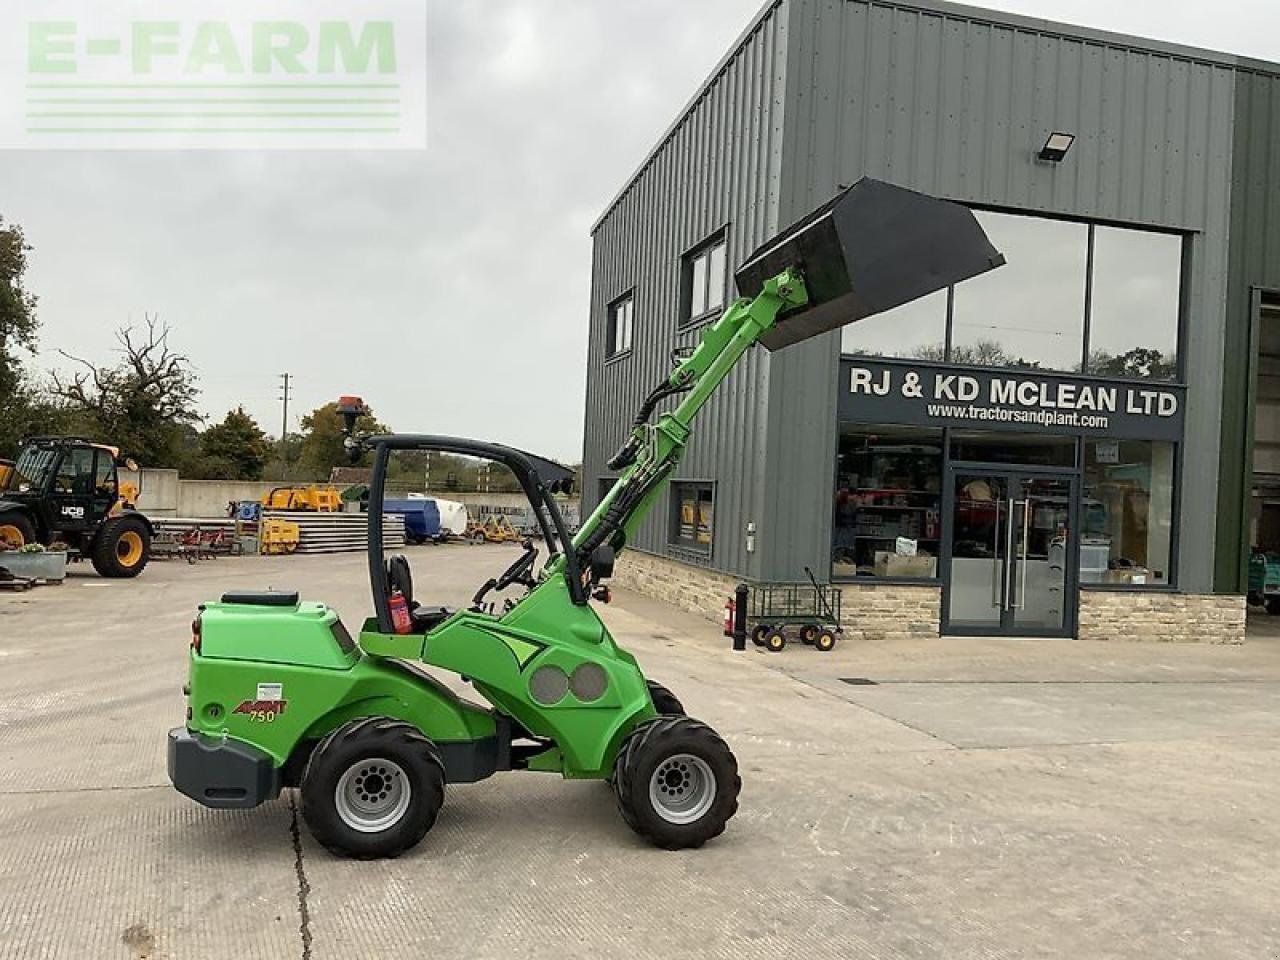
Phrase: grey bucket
x=874 y=247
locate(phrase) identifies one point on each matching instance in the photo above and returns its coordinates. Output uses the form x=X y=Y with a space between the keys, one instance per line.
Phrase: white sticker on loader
x=270 y=691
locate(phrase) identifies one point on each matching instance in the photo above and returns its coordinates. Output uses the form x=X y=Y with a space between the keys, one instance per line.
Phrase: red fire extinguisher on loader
x=401 y=619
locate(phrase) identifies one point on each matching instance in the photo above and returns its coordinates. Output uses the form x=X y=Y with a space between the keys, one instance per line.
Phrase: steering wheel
x=518 y=572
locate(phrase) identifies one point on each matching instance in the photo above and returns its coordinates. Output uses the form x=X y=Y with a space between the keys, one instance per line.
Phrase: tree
x=1138 y=363
x=145 y=404
x=22 y=412
x=235 y=449
x=322 y=448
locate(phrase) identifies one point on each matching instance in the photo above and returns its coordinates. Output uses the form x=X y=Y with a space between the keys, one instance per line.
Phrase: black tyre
x=372 y=788
x=16 y=529
x=1253 y=598
x=664 y=701
x=759 y=632
x=122 y=547
x=775 y=641
x=1273 y=606
x=676 y=782
x=825 y=640
x=808 y=633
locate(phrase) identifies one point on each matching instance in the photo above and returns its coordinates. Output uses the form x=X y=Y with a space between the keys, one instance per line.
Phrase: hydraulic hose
x=626 y=454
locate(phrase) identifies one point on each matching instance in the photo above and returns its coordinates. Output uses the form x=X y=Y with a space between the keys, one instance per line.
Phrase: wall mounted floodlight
x=1056 y=147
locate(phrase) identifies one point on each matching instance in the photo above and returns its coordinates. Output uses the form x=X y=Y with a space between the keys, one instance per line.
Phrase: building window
x=704 y=280
x=693 y=516
x=913 y=331
x=618 y=335
x=888 y=503
x=1126 y=511
x=1029 y=313
x=1046 y=309
x=1137 y=287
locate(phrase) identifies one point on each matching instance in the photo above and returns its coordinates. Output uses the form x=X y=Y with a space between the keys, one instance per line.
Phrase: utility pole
x=284 y=396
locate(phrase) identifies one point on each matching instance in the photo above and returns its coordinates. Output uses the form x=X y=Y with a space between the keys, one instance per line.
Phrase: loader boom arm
x=652 y=451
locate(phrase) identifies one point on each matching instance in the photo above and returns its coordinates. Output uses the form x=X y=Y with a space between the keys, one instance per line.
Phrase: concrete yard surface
x=959 y=798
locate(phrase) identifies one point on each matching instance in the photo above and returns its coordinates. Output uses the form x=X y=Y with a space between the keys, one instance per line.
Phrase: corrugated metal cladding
x=1254 y=263
x=953 y=101
x=718 y=168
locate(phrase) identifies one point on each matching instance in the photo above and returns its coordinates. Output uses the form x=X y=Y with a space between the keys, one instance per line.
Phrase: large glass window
x=1030 y=312
x=1126 y=515
x=888 y=502
x=1043 y=309
x=914 y=331
x=1136 y=298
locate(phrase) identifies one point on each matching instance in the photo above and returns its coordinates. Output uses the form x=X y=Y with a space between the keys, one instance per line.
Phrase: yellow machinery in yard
x=279 y=536
x=310 y=498
x=495 y=528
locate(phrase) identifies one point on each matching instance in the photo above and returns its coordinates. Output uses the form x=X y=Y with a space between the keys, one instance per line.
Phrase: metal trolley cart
x=810 y=610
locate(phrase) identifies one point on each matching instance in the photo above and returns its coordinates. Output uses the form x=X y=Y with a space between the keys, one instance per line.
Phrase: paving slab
x=983 y=799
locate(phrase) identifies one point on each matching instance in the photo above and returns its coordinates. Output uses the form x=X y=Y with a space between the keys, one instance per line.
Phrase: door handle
x=1007 y=561
x=997 y=583
x=1021 y=599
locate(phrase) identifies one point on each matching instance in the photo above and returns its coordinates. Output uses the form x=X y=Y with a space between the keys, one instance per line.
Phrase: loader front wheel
x=372 y=788
x=676 y=782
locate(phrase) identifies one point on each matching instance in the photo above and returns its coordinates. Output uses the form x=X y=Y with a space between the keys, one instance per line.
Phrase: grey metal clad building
x=1092 y=429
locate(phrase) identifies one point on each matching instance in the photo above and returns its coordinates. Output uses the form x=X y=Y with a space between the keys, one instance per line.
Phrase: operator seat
x=400 y=577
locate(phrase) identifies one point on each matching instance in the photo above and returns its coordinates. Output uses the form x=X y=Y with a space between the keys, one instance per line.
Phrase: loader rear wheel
x=372 y=788
x=16 y=530
x=676 y=782
x=122 y=547
x=664 y=701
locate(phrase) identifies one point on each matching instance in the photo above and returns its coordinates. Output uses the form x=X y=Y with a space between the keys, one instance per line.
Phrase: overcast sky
x=448 y=287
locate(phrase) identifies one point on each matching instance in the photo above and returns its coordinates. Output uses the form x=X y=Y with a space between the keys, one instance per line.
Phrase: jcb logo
x=75 y=513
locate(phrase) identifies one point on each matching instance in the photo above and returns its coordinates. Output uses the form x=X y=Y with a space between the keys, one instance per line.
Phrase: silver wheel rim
x=682 y=789
x=372 y=795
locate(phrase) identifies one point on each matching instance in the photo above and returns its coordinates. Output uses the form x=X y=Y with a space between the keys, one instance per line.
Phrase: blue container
x=421 y=518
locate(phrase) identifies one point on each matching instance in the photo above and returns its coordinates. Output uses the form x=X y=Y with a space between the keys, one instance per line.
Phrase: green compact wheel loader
x=281 y=695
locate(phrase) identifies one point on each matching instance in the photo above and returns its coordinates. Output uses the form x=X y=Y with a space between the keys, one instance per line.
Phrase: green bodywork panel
x=246 y=651
x=245 y=648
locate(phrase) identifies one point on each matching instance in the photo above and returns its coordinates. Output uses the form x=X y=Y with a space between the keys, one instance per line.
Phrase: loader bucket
x=872 y=248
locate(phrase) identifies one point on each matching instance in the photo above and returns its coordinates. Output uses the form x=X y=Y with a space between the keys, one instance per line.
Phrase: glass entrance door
x=1008 y=553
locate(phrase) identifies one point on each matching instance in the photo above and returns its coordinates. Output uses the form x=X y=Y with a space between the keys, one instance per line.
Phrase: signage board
x=1000 y=399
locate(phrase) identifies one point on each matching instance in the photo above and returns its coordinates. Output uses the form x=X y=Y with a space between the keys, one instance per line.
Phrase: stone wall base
x=886 y=612
x=1166 y=617
x=869 y=611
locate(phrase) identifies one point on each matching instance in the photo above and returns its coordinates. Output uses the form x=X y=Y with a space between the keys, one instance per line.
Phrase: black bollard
x=740 y=617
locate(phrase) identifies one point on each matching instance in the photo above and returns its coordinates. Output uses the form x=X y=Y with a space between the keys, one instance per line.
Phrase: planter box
x=35 y=566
